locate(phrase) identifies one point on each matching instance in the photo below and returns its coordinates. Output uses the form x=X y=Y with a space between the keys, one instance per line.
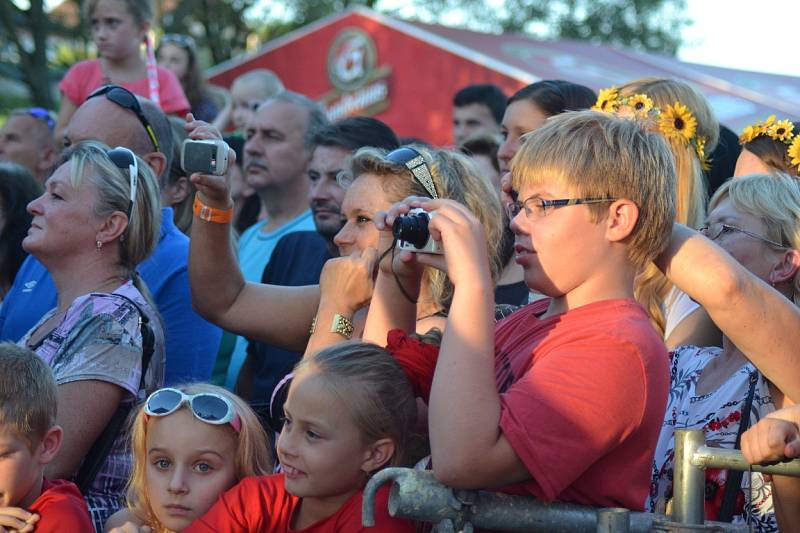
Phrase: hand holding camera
x=205 y=157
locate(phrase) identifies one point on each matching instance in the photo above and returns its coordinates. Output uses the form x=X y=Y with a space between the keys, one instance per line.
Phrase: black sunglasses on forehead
x=413 y=161
x=184 y=41
x=127 y=100
x=124 y=159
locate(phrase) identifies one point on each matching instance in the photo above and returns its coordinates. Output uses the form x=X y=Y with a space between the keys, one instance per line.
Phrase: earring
x=99 y=244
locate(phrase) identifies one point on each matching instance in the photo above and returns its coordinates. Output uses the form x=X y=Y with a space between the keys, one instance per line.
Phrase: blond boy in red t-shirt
x=29 y=440
x=562 y=400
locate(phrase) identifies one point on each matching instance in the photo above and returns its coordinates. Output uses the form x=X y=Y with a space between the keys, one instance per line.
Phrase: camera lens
x=412 y=228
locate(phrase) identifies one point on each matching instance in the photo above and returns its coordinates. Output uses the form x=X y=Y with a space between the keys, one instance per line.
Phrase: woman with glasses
x=98 y=218
x=751 y=292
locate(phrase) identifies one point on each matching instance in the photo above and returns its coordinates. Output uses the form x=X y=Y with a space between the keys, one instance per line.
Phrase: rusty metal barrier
x=416 y=495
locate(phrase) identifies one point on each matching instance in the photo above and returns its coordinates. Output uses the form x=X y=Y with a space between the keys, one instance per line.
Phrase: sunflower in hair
x=794 y=152
x=781 y=131
x=641 y=104
x=607 y=100
x=677 y=122
x=749 y=133
x=700 y=148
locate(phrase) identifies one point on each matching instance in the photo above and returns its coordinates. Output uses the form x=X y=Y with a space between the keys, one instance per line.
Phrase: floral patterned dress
x=718 y=413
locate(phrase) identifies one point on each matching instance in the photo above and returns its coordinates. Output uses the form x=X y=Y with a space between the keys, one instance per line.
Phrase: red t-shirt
x=582 y=398
x=261 y=504
x=61 y=508
x=84 y=77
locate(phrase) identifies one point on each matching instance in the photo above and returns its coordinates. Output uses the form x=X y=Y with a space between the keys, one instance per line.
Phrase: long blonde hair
x=252 y=450
x=652 y=287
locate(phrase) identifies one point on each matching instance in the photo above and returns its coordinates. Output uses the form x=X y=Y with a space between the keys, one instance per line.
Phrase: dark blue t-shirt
x=297 y=260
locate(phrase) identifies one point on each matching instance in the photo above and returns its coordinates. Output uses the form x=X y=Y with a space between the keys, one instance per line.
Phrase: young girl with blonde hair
x=190 y=444
x=350 y=412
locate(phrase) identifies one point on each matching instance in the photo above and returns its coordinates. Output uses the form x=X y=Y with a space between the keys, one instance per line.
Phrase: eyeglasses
x=413 y=161
x=124 y=159
x=713 y=232
x=43 y=115
x=208 y=407
x=127 y=100
x=536 y=208
x=184 y=41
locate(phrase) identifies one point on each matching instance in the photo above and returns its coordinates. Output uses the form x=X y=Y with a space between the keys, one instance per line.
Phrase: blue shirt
x=255 y=250
x=191 y=342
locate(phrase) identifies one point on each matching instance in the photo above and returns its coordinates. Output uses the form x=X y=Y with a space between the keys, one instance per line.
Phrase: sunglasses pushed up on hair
x=127 y=100
x=207 y=407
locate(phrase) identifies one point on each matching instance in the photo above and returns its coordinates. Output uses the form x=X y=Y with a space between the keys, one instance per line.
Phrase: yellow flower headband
x=675 y=122
x=777 y=130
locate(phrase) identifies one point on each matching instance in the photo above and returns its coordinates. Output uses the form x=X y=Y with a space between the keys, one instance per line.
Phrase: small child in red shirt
x=29 y=440
x=350 y=411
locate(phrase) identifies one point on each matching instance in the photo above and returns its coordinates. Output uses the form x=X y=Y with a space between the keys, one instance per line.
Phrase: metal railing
x=416 y=495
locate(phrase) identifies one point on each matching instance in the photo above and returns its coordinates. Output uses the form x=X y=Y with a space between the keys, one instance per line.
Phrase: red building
x=363 y=63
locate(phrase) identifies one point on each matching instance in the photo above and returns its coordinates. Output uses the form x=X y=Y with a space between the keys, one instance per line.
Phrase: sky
x=758 y=35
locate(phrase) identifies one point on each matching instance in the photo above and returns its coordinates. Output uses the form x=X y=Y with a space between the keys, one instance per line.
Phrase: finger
x=792 y=448
x=12 y=522
x=14 y=512
x=436 y=261
x=370 y=256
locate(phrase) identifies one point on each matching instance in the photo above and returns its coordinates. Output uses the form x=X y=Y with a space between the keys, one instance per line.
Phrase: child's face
x=114 y=30
x=175 y=58
x=246 y=99
x=20 y=471
x=320 y=448
x=560 y=250
x=189 y=464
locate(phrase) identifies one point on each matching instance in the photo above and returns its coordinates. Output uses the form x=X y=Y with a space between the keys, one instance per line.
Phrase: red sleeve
x=80 y=80
x=173 y=99
x=61 y=508
x=571 y=408
x=255 y=504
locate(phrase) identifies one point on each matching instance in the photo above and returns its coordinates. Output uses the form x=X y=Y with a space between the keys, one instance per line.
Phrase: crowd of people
x=533 y=310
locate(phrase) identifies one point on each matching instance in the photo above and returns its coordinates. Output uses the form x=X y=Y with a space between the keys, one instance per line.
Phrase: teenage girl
x=350 y=412
x=190 y=444
x=119 y=27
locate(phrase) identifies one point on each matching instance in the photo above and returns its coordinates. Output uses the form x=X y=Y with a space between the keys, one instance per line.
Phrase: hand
x=346 y=283
x=774 y=437
x=215 y=190
x=16 y=520
x=396 y=262
x=466 y=255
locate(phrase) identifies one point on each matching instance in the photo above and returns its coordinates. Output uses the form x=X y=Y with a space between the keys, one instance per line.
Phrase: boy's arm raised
x=467 y=447
x=760 y=321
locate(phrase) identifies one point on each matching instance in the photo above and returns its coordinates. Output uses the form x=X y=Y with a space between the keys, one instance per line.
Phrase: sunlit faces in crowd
x=275 y=152
x=115 y=31
x=326 y=194
x=521 y=117
x=189 y=464
x=364 y=198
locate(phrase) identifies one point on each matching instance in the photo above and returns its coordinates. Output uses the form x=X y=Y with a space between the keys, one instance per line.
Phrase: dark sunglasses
x=127 y=100
x=43 y=115
x=208 y=407
x=125 y=159
x=413 y=161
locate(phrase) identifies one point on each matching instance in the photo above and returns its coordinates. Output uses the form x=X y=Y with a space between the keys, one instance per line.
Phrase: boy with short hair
x=563 y=400
x=29 y=440
x=250 y=90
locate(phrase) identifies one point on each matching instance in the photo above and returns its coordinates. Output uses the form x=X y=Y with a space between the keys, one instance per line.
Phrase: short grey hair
x=163 y=132
x=317 y=118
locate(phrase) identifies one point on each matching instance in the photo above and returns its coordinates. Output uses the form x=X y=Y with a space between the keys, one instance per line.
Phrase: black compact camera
x=411 y=232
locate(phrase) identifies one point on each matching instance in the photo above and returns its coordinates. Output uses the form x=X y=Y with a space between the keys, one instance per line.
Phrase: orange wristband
x=211 y=214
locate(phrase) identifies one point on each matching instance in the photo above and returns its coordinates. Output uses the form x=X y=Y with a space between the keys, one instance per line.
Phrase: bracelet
x=341 y=325
x=212 y=214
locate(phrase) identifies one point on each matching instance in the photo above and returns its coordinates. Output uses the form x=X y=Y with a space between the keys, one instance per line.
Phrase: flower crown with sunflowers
x=675 y=122
x=777 y=130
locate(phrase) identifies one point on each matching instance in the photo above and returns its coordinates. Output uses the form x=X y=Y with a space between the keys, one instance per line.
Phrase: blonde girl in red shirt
x=350 y=411
x=190 y=444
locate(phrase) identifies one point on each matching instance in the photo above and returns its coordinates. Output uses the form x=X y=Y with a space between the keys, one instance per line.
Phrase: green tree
x=25 y=54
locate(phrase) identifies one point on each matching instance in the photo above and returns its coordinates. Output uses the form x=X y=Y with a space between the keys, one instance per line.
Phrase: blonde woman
x=685 y=119
x=747 y=280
